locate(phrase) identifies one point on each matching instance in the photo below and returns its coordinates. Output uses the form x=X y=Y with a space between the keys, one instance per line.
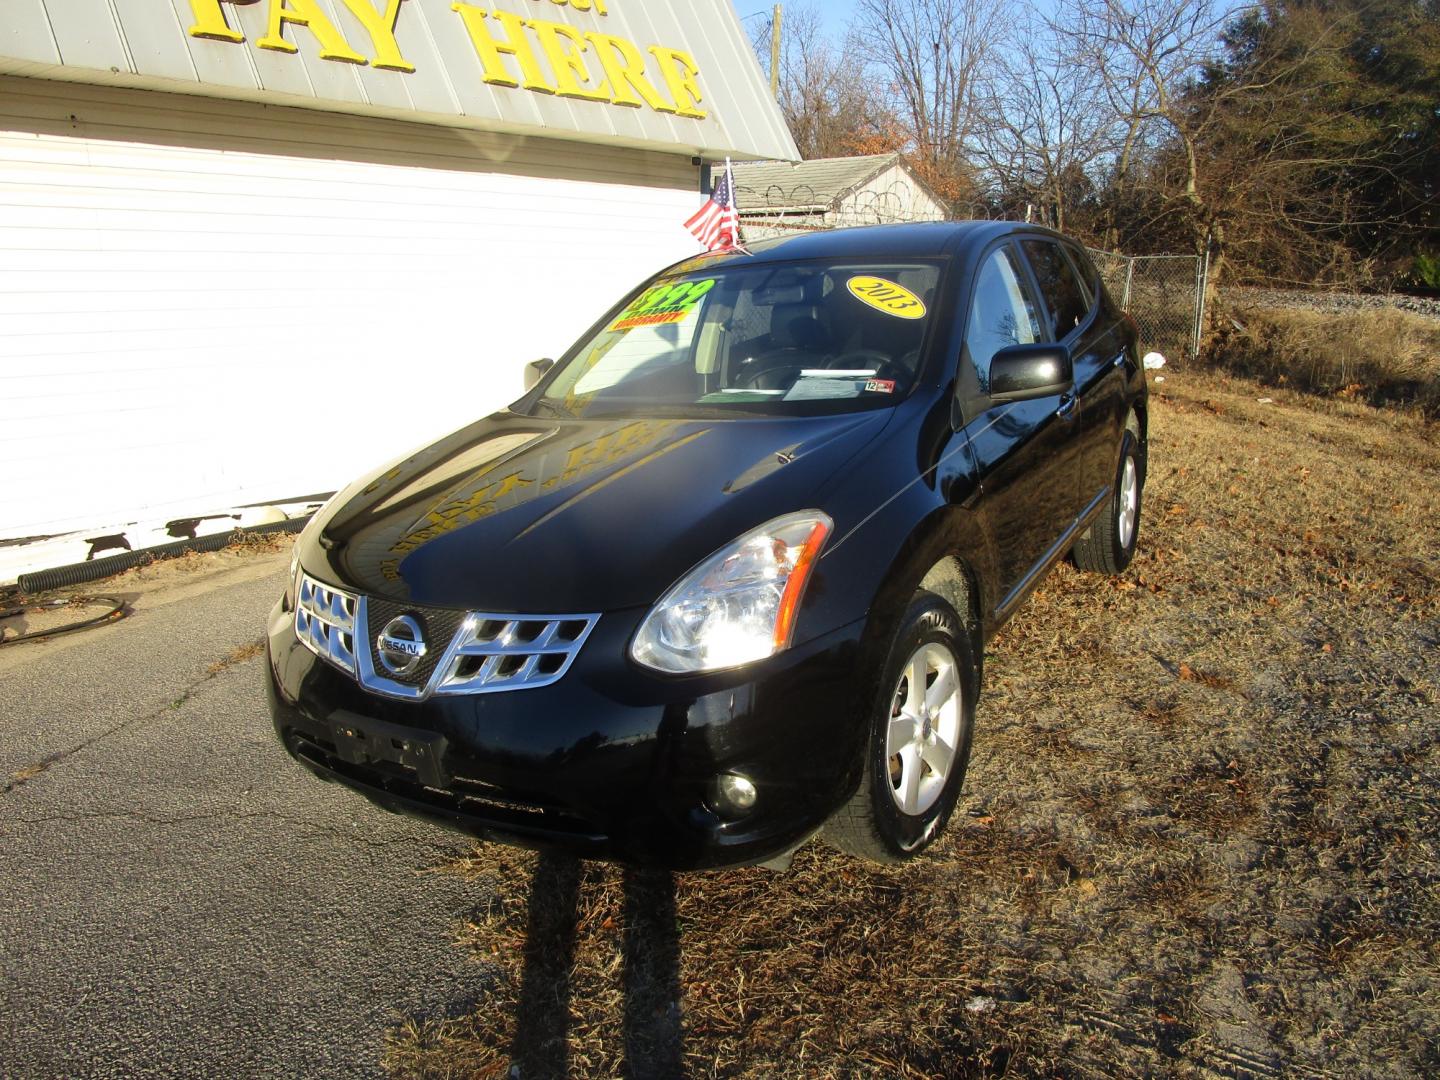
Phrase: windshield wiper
x=555 y=410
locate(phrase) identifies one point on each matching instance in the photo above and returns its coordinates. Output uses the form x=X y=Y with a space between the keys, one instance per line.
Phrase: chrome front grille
x=485 y=653
x=504 y=652
x=325 y=620
x=440 y=626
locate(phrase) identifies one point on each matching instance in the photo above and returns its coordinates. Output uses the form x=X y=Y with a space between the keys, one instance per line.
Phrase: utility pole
x=775 y=54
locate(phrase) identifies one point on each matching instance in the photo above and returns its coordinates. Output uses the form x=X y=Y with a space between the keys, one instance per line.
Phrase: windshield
x=774 y=339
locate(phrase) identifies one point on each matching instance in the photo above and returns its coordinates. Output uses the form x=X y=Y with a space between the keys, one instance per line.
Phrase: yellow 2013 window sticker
x=886 y=296
x=663 y=304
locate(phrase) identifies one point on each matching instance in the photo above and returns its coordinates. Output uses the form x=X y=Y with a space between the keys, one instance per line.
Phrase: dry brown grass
x=237 y=655
x=1382 y=356
x=1200 y=835
x=29 y=772
x=262 y=543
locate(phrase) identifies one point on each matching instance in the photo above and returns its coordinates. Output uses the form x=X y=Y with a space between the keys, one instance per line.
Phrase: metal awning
x=672 y=75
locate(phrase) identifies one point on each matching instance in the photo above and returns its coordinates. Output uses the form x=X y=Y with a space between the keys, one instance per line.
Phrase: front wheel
x=919 y=740
x=1109 y=544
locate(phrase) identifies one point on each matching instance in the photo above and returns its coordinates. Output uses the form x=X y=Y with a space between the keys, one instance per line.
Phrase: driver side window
x=1002 y=313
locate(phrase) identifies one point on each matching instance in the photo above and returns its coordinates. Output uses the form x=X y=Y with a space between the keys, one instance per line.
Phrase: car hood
x=528 y=515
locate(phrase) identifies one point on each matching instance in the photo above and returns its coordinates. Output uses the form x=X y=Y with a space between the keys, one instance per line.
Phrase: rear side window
x=1089 y=277
x=1063 y=294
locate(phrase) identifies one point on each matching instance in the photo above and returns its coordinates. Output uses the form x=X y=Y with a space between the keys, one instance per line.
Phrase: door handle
x=1066 y=411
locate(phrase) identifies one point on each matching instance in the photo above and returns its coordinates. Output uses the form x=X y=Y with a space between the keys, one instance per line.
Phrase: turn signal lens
x=292 y=587
x=739 y=605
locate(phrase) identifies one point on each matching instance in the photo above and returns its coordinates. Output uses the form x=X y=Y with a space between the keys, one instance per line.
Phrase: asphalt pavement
x=179 y=898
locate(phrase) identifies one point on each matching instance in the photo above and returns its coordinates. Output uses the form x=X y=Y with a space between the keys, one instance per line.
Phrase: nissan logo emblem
x=401 y=645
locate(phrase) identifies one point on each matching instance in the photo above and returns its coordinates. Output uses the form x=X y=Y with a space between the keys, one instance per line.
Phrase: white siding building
x=248 y=250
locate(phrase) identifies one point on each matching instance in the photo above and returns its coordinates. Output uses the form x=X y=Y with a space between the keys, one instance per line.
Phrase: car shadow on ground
x=651 y=1015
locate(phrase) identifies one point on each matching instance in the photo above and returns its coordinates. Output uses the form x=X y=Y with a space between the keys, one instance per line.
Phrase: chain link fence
x=1164 y=294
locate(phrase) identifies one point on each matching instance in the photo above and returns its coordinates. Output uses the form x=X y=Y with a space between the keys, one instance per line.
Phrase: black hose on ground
x=94 y=569
x=116 y=611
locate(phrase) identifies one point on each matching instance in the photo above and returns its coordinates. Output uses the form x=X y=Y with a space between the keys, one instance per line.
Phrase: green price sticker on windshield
x=663 y=304
x=886 y=296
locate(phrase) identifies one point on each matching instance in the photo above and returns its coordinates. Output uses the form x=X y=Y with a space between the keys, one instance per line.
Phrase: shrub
x=1427 y=271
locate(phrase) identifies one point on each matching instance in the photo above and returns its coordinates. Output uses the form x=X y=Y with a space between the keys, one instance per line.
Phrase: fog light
x=734 y=795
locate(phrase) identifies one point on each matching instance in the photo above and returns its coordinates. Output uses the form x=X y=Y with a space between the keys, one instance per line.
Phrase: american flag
x=717 y=223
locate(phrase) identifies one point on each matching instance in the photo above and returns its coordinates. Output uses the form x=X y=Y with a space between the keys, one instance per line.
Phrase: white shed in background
x=234 y=273
x=779 y=198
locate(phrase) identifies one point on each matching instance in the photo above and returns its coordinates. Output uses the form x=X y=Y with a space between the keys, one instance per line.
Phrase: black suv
x=722 y=578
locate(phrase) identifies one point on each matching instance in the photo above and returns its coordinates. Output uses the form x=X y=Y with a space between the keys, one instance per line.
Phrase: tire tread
x=1099 y=550
x=1095 y=551
x=853 y=829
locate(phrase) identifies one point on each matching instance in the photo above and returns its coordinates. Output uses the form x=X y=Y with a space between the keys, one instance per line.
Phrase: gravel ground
x=1333 y=303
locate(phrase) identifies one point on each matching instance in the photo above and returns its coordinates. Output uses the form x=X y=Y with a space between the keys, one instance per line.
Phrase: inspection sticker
x=880 y=386
x=886 y=296
x=663 y=304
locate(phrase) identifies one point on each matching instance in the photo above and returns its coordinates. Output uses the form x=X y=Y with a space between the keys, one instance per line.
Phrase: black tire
x=872 y=825
x=1105 y=549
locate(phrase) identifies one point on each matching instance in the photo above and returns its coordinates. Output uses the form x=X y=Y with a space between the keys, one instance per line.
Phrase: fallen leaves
x=1205 y=678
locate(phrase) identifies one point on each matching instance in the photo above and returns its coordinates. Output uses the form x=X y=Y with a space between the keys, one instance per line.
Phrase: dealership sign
x=537 y=54
x=675 y=75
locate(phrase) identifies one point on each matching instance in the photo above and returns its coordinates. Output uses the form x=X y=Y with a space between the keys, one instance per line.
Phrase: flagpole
x=735 y=203
x=717 y=223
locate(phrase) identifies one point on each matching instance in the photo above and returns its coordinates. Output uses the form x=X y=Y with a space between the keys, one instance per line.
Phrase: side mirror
x=535 y=371
x=1022 y=372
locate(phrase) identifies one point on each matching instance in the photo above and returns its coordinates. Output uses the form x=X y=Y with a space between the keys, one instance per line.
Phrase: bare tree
x=1047 y=127
x=824 y=93
x=937 y=57
x=1145 y=53
x=1235 y=125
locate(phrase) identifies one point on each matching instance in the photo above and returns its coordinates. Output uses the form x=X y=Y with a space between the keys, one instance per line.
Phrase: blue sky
x=834 y=13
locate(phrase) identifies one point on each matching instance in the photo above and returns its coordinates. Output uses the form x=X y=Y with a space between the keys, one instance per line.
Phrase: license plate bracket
x=362 y=740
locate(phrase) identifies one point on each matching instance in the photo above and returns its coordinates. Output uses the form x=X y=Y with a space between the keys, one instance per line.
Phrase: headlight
x=739 y=605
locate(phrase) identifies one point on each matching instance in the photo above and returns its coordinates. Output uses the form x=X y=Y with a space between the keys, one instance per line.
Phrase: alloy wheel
x=924 y=727
x=1129 y=501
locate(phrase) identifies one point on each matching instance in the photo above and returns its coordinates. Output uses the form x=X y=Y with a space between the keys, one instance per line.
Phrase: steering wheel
x=748 y=376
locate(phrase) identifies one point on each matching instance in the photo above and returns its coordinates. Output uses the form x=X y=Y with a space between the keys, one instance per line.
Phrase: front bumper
x=610 y=762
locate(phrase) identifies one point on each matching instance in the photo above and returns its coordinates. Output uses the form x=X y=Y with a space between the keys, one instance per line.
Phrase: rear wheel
x=919 y=742
x=1109 y=544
